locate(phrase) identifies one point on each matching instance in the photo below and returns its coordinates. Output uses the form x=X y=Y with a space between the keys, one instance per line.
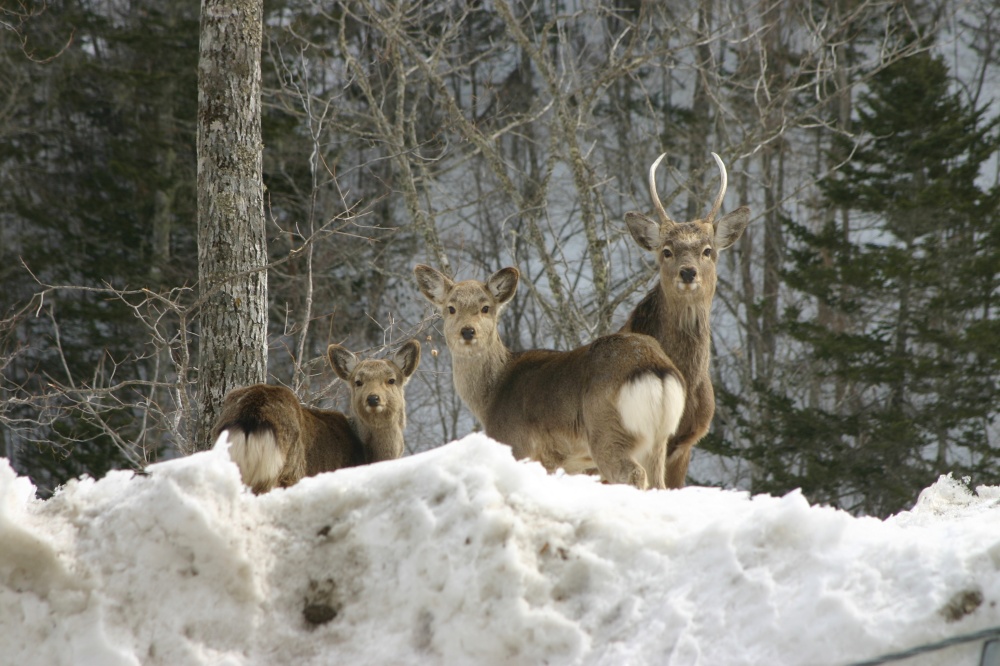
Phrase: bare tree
x=475 y=136
x=516 y=133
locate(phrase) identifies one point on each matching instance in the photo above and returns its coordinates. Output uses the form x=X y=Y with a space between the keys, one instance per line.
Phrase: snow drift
x=463 y=556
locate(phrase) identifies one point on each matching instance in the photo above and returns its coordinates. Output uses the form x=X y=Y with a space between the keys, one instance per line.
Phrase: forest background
x=856 y=338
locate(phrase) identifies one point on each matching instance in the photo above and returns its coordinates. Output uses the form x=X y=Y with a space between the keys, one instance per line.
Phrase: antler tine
x=664 y=218
x=717 y=206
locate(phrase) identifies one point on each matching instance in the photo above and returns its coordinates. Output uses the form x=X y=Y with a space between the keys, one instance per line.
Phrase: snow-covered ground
x=463 y=556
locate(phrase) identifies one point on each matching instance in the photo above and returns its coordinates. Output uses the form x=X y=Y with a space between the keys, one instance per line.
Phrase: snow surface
x=462 y=555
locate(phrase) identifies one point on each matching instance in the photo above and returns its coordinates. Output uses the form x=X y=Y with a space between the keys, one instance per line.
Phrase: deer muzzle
x=687 y=279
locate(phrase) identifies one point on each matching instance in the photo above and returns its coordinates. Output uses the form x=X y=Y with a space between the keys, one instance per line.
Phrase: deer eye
x=707 y=252
x=451 y=309
x=392 y=381
x=357 y=382
x=667 y=253
x=486 y=309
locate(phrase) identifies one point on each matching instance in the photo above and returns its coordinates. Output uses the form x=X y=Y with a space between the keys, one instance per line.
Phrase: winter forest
x=856 y=327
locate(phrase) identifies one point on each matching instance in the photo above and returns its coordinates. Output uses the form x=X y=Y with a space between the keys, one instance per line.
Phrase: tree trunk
x=232 y=251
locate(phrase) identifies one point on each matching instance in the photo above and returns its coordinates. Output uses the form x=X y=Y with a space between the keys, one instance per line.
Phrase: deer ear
x=729 y=229
x=433 y=284
x=645 y=231
x=503 y=284
x=343 y=361
x=408 y=358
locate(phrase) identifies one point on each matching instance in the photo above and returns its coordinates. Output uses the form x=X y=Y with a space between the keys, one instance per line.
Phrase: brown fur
x=276 y=441
x=608 y=406
x=677 y=311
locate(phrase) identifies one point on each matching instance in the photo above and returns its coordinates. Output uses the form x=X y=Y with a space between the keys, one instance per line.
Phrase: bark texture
x=232 y=249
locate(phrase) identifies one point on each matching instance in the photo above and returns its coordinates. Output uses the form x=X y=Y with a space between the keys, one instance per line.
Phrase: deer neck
x=382 y=437
x=681 y=326
x=476 y=374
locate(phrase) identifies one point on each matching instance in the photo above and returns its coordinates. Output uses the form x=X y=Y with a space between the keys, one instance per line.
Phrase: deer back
x=275 y=440
x=329 y=442
x=609 y=405
x=265 y=425
x=547 y=397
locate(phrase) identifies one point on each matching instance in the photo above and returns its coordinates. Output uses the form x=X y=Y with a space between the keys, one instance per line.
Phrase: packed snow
x=461 y=555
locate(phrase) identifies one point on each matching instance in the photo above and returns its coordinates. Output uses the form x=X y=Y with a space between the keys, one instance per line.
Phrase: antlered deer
x=609 y=406
x=676 y=312
x=275 y=440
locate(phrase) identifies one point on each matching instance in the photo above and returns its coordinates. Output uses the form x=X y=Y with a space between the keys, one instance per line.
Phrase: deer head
x=376 y=385
x=470 y=309
x=688 y=251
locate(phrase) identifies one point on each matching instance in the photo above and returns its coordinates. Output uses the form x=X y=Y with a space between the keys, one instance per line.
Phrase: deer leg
x=694 y=426
x=679 y=454
x=616 y=465
x=677 y=465
x=612 y=446
x=656 y=466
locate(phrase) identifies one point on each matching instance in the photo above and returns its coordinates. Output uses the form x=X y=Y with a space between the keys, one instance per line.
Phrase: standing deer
x=609 y=406
x=275 y=440
x=676 y=312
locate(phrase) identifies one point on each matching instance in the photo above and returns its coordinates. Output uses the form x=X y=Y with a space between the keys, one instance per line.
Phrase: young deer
x=676 y=312
x=275 y=440
x=609 y=406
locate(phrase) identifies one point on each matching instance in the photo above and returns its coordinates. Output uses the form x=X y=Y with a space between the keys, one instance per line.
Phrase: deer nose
x=373 y=400
x=688 y=274
x=468 y=333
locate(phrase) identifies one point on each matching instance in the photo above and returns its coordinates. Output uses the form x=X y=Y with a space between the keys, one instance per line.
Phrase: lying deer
x=676 y=312
x=609 y=406
x=275 y=440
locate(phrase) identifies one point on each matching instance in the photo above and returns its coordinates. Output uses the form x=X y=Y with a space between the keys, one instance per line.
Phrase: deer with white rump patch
x=608 y=407
x=275 y=440
x=676 y=312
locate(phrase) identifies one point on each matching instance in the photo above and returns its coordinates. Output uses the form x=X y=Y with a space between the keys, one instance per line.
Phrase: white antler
x=664 y=218
x=717 y=206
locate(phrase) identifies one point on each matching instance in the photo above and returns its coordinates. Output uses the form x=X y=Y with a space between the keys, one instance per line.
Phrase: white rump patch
x=258 y=456
x=651 y=409
x=640 y=404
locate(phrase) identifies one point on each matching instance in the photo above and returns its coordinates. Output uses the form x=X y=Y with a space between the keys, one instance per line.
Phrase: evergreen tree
x=904 y=378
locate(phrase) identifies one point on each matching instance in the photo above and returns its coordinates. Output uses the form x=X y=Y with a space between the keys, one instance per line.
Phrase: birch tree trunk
x=232 y=251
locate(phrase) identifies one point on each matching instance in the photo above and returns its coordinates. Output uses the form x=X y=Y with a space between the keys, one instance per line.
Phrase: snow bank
x=463 y=556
